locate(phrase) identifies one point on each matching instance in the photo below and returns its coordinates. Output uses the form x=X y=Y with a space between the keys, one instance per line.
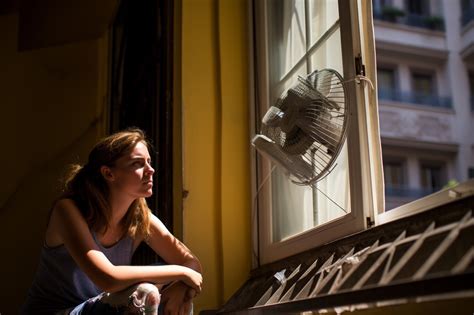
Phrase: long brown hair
x=88 y=188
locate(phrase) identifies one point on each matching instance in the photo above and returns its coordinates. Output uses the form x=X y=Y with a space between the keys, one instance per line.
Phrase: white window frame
x=437 y=199
x=365 y=197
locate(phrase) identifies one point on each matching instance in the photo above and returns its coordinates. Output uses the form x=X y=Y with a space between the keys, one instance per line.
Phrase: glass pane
x=386 y=79
x=287 y=36
x=280 y=87
x=329 y=54
x=297 y=208
x=333 y=192
x=423 y=84
x=418 y=7
x=393 y=173
x=292 y=206
x=323 y=15
x=431 y=177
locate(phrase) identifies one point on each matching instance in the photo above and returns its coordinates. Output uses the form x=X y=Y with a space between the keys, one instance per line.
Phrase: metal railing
x=429 y=22
x=421 y=21
x=407 y=192
x=414 y=98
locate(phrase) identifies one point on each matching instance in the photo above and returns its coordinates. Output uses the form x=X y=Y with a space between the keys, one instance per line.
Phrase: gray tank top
x=59 y=283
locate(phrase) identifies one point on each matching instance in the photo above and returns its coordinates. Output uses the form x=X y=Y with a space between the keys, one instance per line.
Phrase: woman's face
x=132 y=173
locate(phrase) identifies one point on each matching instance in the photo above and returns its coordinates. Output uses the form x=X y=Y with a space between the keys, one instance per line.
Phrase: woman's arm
x=71 y=229
x=172 y=250
x=177 y=298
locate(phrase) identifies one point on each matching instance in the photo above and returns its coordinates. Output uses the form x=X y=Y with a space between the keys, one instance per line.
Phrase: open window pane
x=287 y=36
x=297 y=208
x=295 y=38
x=323 y=15
x=328 y=54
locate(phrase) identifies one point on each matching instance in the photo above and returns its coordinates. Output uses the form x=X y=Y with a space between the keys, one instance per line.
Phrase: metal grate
x=436 y=252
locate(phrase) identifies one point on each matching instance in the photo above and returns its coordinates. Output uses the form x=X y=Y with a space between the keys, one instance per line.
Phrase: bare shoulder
x=66 y=209
x=63 y=212
x=157 y=227
x=157 y=230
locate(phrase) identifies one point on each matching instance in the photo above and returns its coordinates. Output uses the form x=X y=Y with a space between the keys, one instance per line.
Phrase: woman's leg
x=143 y=299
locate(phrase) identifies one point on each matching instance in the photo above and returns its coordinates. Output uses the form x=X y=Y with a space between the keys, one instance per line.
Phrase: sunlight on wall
x=216 y=143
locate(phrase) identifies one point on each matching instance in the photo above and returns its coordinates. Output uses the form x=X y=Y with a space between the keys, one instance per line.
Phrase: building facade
x=425 y=84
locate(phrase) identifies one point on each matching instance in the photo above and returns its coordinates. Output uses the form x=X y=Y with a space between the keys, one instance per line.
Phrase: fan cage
x=305 y=130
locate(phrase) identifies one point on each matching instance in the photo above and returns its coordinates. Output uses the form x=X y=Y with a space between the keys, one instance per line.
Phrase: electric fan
x=305 y=130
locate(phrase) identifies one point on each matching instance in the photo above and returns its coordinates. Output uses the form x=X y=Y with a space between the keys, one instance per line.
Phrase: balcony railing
x=406 y=192
x=430 y=22
x=414 y=98
x=395 y=15
x=467 y=16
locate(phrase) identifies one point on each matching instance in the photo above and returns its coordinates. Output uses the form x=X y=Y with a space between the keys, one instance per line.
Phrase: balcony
x=409 y=37
x=406 y=192
x=415 y=98
x=398 y=16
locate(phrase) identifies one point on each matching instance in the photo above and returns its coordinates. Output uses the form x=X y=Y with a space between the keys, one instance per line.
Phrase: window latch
x=369 y=222
x=359 y=65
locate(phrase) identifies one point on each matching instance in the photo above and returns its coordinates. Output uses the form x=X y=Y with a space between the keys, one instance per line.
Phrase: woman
x=92 y=232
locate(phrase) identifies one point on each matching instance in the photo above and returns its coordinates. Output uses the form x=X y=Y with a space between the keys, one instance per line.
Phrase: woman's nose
x=150 y=169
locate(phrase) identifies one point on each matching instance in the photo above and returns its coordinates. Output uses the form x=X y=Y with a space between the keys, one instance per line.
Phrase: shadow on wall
x=24 y=218
x=51 y=113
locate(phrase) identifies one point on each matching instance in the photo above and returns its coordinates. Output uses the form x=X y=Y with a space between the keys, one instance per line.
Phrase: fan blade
x=296 y=141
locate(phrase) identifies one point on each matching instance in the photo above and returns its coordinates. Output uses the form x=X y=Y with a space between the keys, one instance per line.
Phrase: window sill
x=426 y=256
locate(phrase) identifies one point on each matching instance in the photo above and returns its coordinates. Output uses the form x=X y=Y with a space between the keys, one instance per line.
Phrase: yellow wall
x=215 y=119
x=52 y=110
x=51 y=104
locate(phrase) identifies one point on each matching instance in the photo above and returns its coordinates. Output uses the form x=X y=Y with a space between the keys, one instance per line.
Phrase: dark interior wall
x=52 y=111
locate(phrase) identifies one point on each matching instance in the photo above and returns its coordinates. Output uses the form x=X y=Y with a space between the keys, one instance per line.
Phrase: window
x=394 y=175
x=432 y=176
x=467 y=10
x=294 y=38
x=386 y=83
x=379 y=4
x=423 y=86
x=467 y=5
x=417 y=7
x=470 y=172
x=300 y=49
x=423 y=83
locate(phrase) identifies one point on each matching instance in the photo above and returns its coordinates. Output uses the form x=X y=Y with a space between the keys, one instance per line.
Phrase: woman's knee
x=146 y=294
x=152 y=294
